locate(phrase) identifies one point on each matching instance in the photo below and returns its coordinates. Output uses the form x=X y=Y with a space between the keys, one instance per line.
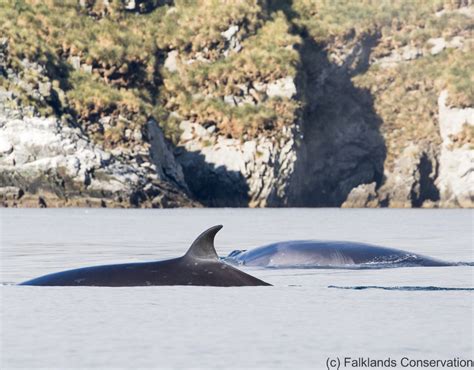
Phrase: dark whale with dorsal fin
x=331 y=254
x=199 y=266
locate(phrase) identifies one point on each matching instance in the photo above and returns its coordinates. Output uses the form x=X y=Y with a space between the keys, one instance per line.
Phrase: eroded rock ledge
x=46 y=163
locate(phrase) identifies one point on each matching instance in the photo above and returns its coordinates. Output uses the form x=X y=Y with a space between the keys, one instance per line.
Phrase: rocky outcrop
x=456 y=160
x=411 y=182
x=433 y=46
x=365 y=195
x=226 y=172
x=47 y=159
x=44 y=162
x=163 y=163
x=233 y=43
x=99 y=8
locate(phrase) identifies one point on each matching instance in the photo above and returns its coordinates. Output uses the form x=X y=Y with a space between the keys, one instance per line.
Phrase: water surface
x=420 y=313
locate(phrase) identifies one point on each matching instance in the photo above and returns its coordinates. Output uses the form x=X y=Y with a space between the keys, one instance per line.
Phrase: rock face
x=232 y=173
x=411 y=182
x=46 y=163
x=365 y=195
x=456 y=160
x=221 y=170
x=342 y=146
x=49 y=161
x=264 y=110
x=348 y=149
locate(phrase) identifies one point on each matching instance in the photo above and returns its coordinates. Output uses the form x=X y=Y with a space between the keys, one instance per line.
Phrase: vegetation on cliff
x=242 y=69
x=108 y=59
x=405 y=73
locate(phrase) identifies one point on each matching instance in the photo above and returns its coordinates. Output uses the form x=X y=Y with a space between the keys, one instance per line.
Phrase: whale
x=330 y=254
x=200 y=266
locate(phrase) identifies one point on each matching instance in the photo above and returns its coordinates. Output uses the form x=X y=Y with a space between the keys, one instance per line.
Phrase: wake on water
x=388 y=264
x=401 y=288
x=365 y=287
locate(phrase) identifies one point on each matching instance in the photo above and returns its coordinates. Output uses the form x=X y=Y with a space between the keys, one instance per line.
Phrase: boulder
x=171 y=61
x=364 y=195
x=283 y=87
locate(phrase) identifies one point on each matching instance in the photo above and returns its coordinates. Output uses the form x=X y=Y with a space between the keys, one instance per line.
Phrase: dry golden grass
x=125 y=52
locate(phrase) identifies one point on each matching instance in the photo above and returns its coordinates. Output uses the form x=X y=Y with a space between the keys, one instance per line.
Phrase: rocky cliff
x=50 y=161
x=253 y=103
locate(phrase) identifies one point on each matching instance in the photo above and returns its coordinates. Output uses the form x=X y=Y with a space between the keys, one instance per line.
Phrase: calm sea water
x=298 y=323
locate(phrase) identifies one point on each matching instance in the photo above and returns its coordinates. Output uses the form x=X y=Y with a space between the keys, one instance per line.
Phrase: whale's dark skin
x=199 y=266
x=329 y=254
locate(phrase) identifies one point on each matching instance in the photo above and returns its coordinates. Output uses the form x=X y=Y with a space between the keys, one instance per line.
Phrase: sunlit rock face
x=231 y=173
x=456 y=160
x=44 y=162
x=48 y=160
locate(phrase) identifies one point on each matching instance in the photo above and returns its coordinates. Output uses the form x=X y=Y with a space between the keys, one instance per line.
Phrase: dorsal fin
x=203 y=246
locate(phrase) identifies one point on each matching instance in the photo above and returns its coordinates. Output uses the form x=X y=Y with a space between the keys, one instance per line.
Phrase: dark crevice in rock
x=426 y=188
x=42 y=203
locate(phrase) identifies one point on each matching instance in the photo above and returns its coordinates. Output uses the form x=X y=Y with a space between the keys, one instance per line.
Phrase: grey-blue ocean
x=299 y=322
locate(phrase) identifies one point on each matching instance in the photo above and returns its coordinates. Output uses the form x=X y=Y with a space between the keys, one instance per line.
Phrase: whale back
x=199 y=266
x=329 y=254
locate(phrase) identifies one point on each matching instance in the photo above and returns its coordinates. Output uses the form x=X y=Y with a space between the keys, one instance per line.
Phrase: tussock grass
x=124 y=52
x=198 y=91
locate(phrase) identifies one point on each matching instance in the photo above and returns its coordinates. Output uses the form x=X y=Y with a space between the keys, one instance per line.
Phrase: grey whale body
x=329 y=254
x=199 y=266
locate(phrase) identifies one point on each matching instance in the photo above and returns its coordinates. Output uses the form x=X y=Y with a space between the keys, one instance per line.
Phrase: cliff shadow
x=213 y=186
x=427 y=189
x=341 y=146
